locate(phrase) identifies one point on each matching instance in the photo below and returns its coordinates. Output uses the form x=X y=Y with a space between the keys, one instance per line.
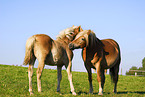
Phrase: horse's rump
x=111 y=51
x=35 y=44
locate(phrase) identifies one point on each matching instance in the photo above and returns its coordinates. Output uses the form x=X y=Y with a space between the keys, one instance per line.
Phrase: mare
x=100 y=55
x=51 y=52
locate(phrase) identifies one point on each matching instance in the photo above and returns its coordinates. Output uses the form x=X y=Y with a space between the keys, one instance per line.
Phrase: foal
x=51 y=52
x=100 y=55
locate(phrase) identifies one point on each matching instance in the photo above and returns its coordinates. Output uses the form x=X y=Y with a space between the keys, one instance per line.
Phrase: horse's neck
x=95 y=47
x=95 y=43
x=65 y=40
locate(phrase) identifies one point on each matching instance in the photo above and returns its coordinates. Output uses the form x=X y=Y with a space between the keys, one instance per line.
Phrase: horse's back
x=111 y=44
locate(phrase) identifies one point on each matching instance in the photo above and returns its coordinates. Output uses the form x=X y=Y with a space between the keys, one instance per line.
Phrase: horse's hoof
x=31 y=93
x=114 y=91
x=90 y=92
x=39 y=91
x=100 y=93
x=74 y=93
x=58 y=91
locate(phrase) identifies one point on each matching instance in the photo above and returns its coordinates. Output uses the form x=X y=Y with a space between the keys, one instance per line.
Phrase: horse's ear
x=80 y=28
x=89 y=31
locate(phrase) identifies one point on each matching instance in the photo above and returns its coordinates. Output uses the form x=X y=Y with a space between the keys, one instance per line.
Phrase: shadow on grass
x=126 y=92
x=82 y=92
x=86 y=93
x=122 y=92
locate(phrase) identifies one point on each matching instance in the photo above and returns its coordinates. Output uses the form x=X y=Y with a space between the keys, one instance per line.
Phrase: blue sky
x=121 y=20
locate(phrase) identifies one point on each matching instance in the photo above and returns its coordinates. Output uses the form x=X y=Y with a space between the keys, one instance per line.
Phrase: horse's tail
x=29 y=53
x=115 y=70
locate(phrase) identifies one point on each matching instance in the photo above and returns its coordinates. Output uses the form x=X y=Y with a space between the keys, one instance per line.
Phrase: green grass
x=14 y=82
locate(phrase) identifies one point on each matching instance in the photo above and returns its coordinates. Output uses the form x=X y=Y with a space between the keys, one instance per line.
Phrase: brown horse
x=98 y=54
x=52 y=52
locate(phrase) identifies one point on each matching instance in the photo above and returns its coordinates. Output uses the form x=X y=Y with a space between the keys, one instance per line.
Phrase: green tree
x=135 y=68
x=143 y=63
x=132 y=72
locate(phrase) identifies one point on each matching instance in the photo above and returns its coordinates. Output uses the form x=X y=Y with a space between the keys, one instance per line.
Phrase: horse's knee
x=116 y=79
x=90 y=78
x=98 y=77
x=101 y=77
x=39 y=73
x=30 y=71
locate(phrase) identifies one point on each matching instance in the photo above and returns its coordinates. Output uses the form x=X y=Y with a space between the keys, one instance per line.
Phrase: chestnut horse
x=100 y=55
x=51 y=52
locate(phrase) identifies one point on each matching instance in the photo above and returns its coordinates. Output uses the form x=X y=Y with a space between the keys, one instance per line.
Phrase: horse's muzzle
x=71 y=46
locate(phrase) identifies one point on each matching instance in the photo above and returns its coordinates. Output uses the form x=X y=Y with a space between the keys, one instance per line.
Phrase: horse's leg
x=114 y=76
x=30 y=74
x=100 y=78
x=59 y=77
x=68 y=69
x=39 y=73
x=89 y=77
x=116 y=80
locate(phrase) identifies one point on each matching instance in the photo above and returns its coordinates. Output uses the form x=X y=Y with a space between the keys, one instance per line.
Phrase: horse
x=100 y=55
x=50 y=52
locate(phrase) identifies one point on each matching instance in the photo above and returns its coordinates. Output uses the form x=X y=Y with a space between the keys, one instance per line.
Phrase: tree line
x=131 y=72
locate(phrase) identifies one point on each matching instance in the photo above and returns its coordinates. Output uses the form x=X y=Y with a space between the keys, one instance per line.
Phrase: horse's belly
x=50 y=60
x=110 y=62
x=56 y=55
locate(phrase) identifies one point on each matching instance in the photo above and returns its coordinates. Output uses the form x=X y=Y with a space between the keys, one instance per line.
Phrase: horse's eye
x=83 y=38
x=71 y=33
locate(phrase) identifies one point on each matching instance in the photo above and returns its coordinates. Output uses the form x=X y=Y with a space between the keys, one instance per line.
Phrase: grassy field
x=14 y=82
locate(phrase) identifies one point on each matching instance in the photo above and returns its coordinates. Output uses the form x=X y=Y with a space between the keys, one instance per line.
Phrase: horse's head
x=70 y=33
x=81 y=40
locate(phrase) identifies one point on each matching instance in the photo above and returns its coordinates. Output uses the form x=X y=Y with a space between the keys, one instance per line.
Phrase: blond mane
x=66 y=32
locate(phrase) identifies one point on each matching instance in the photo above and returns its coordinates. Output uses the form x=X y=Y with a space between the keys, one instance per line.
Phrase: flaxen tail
x=29 y=53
